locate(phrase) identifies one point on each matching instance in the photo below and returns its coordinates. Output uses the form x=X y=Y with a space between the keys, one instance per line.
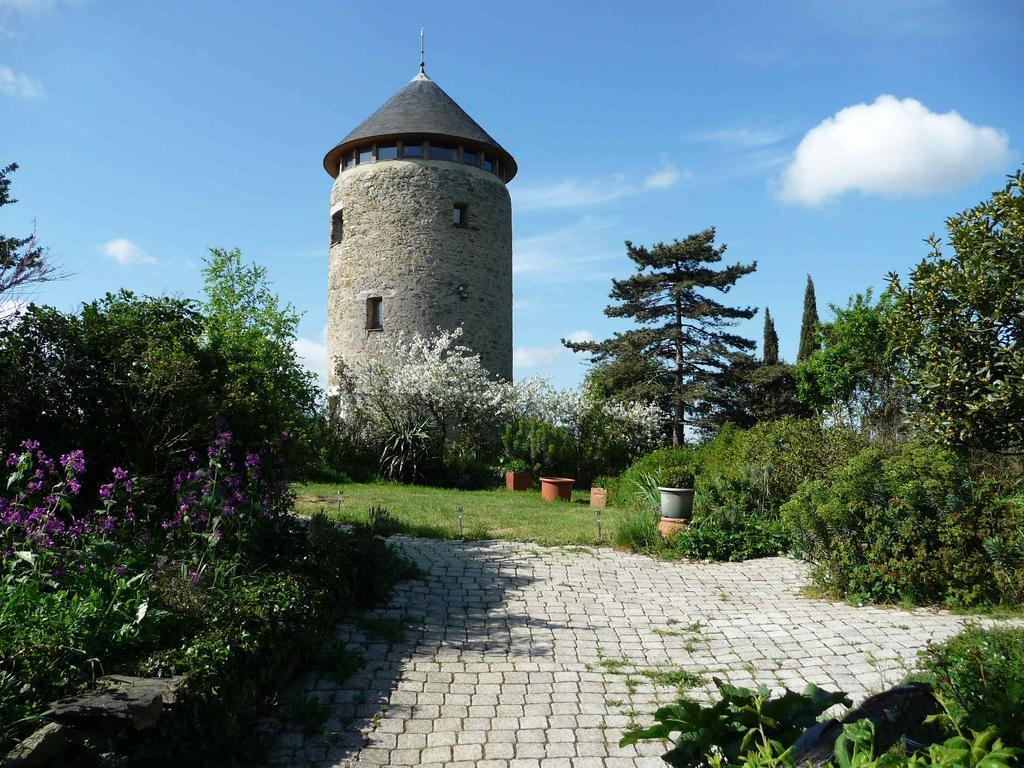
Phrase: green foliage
x=905 y=526
x=852 y=376
x=808 y=324
x=646 y=472
x=979 y=673
x=380 y=522
x=407 y=448
x=265 y=388
x=629 y=377
x=742 y=477
x=855 y=748
x=735 y=723
x=638 y=530
x=516 y=465
x=679 y=326
x=770 y=342
x=959 y=325
x=676 y=477
x=141 y=382
x=544 y=448
x=724 y=535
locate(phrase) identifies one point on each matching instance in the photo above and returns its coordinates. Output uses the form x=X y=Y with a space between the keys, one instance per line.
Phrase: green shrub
x=979 y=673
x=544 y=448
x=734 y=724
x=907 y=526
x=676 y=477
x=721 y=535
x=653 y=465
x=637 y=530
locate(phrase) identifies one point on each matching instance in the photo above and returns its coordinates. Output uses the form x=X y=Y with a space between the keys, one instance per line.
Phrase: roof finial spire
x=422 y=65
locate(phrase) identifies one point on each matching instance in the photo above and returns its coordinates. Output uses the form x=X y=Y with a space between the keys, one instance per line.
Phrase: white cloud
x=546 y=357
x=581 y=193
x=742 y=136
x=667 y=177
x=313 y=356
x=124 y=251
x=579 y=336
x=535 y=357
x=891 y=147
x=19 y=86
x=572 y=251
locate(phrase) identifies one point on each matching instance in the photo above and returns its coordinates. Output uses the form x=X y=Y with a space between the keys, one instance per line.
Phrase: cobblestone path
x=517 y=656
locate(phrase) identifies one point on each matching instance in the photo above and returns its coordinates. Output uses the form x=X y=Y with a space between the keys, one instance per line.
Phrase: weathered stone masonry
x=400 y=243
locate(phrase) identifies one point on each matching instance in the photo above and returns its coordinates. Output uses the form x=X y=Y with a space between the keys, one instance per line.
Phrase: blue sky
x=148 y=132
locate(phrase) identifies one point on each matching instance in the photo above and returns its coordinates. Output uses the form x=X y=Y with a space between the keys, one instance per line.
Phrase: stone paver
x=518 y=655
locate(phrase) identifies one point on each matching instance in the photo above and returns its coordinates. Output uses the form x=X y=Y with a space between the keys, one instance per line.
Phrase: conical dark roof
x=424 y=109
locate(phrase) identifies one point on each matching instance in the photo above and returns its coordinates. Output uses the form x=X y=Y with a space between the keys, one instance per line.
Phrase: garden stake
x=458 y=511
x=338 y=515
x=597 y=516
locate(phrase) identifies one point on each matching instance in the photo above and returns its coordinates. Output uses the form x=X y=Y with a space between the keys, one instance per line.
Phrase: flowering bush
x=228 y=496
x=42 y=515
x=429 y=404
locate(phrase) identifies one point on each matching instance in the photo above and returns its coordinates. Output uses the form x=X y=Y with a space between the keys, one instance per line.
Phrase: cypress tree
x=809 y=324
x=688 y=331
x=771 y=340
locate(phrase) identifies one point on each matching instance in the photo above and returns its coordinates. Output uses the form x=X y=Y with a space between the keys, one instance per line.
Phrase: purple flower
x=107 y=491
x=119 y=474
x=74 y=461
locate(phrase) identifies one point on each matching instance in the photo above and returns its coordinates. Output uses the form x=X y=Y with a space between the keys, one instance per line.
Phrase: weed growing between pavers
x=310 y=714
x=343 y=662
x=387 y=629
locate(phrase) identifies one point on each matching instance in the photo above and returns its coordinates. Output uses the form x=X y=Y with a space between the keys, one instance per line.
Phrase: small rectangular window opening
x=374 y=313
x=337 y=227
x=460 y=214
x=412 y=150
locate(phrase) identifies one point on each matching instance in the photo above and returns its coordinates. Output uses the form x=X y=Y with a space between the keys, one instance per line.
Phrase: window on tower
x=460 y=214
x=469 y=157
x=374 y=313
x=366 y=155
x=444 y=152
x=488 y=164
x=412 y=150
x=337 y=226
x=387 y=152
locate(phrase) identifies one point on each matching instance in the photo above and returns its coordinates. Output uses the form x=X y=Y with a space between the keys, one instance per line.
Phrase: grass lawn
x=498 y=514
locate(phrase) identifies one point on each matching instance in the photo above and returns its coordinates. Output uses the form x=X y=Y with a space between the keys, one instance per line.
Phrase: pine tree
x=23 y=262
x=678 y=326
x=809 y=324
x=771 y=340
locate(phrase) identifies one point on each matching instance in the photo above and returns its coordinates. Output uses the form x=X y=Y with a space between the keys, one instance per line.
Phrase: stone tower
x=421 y=230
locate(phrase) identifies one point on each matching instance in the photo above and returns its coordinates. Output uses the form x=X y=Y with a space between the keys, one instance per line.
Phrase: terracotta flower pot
x=517 y=481
x=552 y=488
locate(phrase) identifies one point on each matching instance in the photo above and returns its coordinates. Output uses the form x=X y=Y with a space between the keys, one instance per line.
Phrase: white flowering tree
x=425 y=401
x=416 y=394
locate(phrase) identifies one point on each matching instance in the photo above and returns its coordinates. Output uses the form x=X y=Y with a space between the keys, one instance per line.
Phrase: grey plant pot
x=676 y=503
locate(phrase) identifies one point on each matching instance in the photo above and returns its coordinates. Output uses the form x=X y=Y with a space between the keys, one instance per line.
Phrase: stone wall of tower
x=400 y=243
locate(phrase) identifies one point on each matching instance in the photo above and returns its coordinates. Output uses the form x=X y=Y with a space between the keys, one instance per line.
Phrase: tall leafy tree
x=852 y=378
x=677 y=323
x=23 y=261
x=770 y=345
x=958 y=323
x=809 y=324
